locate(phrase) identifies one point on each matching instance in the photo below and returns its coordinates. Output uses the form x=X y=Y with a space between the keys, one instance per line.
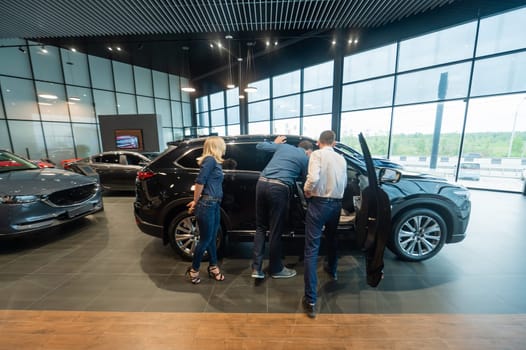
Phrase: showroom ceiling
x=74 y=18
x=169 y=35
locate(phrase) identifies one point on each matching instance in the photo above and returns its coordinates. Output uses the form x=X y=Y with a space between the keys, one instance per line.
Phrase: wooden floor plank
x=23 y=329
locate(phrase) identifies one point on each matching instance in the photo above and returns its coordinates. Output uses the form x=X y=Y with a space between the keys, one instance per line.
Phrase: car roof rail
x=188 y=138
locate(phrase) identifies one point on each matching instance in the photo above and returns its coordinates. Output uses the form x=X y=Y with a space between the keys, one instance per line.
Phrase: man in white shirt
x=325 y=185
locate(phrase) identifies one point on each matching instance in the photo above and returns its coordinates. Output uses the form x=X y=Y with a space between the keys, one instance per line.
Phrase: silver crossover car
x=33 y=199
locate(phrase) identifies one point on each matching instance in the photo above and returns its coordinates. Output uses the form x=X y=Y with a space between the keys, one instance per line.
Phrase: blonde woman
x=208 y=194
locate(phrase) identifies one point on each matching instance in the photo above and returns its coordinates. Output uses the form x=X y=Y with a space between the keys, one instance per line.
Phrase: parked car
x=42 y=163
x=469 y=171
x=33 y=198
x=427 y=212
x=117 y=169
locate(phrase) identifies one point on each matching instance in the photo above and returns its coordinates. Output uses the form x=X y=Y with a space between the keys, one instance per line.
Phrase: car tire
x=418 y=234
x=183 y=233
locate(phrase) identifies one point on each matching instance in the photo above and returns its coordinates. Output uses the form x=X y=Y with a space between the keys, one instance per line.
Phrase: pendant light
x=186 y=71
x=250 y=68
x=230 y=83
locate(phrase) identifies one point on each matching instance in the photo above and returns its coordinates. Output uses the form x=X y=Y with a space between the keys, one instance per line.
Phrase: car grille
x=73 y=195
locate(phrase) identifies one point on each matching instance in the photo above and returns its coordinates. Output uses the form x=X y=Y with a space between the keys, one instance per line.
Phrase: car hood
x=40 y=181
x=422 y=176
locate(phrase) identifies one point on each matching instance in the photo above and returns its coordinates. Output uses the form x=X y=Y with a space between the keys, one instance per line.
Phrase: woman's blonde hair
x=215 y=147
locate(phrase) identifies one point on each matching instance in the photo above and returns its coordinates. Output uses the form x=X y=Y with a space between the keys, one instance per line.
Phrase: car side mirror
x=389 y=175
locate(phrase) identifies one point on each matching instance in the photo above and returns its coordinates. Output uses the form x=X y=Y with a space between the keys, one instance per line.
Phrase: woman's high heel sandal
x=192 y=275
x=215 y=273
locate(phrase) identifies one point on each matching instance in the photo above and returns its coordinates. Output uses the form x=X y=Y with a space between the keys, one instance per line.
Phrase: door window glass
x=110 y=158
x=247 y=156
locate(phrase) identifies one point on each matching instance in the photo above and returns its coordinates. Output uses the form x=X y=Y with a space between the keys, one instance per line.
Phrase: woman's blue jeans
x=208 y=219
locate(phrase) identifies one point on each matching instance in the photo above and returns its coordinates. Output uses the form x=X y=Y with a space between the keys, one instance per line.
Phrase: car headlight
x=18 y=199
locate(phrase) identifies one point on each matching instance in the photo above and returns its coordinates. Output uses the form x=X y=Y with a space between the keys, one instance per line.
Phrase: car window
x=246 y=157
x=110 y=158
x=189 y=160
x=237 y=156
x=133 y=160
x=471 y=166
x=9 y=161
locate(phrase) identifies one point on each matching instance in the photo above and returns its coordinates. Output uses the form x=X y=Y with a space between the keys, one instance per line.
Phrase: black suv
x=426 y=211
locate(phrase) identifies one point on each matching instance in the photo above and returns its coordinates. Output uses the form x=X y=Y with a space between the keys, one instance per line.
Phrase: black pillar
x=442 y=89
x=337 y=84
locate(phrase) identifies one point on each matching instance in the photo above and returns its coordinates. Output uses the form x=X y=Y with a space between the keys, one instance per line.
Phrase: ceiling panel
x=74 y=18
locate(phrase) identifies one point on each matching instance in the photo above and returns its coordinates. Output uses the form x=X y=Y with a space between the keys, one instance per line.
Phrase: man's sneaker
x=309 y=308
x=258 y=274
x=285 y=273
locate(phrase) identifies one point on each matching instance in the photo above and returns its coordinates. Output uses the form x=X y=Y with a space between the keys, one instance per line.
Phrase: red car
x=41 y=163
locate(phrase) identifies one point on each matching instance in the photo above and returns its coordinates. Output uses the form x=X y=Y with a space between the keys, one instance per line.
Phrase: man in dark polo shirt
x=273 y=193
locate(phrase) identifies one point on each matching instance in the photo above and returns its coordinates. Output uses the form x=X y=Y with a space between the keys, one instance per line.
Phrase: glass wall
x=51 y=97
x=218 y=113
x=450 y=103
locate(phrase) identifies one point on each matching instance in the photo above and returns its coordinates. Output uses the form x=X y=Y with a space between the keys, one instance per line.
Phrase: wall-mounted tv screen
x=129 y=139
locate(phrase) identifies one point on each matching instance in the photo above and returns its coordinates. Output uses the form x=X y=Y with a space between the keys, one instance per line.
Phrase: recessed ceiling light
x=334 y=42
x=241 y=97
x=275 y=43
x=73 y=98
x=118 y=48
x=356 y=41
x=188 y=89
x=109 y=48
x=229 y=37
x=219 y=45
x=267 y=43
x=230 y=86
x=73 y=49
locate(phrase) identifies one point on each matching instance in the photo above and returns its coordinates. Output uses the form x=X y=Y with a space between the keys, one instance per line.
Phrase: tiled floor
x=104 y=263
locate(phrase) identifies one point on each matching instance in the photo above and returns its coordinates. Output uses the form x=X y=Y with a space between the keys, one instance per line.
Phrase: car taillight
x=143 y=175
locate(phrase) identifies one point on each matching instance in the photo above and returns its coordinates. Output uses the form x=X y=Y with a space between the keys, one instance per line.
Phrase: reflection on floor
x=104 y=263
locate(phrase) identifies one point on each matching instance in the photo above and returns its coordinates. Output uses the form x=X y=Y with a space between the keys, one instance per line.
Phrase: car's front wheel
x=184 y=235
x=419 y=234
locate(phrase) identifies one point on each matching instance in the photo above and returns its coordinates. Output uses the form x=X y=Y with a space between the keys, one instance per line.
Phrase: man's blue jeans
x=272 y=210
x=320 y=212
x=208 y=219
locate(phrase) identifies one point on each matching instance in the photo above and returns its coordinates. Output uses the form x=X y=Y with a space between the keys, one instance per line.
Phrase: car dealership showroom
x=105 y=107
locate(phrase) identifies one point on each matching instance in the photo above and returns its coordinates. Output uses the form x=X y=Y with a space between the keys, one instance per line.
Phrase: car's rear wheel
x=183 y=233
x=419 y=234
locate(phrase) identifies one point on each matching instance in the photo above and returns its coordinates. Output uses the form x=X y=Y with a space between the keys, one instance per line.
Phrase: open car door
x=373 y=221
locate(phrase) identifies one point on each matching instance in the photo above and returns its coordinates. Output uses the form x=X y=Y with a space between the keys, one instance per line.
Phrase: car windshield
x=11 y=162
x=350 y=152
